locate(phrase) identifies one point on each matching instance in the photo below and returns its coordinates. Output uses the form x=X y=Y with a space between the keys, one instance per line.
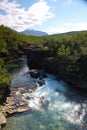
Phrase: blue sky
x=51 y=16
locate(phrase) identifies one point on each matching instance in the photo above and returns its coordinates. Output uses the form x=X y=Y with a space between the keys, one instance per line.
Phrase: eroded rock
x=2 y=119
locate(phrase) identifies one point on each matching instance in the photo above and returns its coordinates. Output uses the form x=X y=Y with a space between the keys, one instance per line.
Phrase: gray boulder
x=37 y=73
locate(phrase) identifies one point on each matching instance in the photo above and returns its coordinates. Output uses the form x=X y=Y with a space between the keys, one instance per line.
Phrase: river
x=66 y=109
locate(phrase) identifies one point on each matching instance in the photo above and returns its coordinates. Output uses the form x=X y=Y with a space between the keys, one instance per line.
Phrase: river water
x=66 y=108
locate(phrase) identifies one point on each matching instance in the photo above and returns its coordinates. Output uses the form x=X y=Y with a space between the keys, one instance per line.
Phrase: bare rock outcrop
x=2 y=120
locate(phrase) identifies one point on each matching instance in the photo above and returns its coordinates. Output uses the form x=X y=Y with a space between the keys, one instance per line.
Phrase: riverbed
x=63 y=108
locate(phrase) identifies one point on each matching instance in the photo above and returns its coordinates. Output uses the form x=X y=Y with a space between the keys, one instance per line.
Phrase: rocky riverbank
x=20 y=94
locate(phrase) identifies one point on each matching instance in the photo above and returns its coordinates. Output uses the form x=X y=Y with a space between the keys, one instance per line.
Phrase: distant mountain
x=34 y=33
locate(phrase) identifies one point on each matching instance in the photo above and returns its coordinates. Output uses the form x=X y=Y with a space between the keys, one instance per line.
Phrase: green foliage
x=10 y=39
x=4 y=75
x=70 y=49
x=5 y=78
x=3 y=45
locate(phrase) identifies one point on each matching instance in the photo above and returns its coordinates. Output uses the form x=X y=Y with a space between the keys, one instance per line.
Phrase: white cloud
x=67 y=27
x=19 y=18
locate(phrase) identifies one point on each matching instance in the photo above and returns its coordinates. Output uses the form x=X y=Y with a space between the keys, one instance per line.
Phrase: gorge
x=66 y=108
x=47 y=85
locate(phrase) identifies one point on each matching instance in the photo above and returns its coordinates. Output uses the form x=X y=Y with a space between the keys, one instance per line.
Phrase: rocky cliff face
x=39 y=59
x=36 y=58
x=4 y=92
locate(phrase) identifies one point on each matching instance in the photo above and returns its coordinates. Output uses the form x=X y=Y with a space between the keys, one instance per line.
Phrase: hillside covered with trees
x=69 y=51
x=11 y=40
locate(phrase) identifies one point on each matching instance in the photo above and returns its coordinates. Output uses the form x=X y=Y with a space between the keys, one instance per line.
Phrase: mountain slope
x=34 y=33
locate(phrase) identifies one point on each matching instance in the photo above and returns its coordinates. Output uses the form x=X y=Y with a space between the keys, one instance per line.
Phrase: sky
x=51 y=16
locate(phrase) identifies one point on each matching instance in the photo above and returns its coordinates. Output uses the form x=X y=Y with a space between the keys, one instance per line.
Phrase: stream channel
x=66 y=108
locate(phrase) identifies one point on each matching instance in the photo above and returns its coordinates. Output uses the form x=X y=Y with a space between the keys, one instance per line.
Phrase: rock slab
x=2 y=120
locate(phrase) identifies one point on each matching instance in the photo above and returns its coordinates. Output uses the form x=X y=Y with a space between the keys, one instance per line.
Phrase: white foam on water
x=71 y=111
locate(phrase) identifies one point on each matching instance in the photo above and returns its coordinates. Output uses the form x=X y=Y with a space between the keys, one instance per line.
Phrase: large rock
x=2 y=119
x=41 y=82
x=44 y=102
x=37 y=73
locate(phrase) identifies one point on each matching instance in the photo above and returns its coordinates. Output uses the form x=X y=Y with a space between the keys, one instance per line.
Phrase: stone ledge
x=2 y=120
